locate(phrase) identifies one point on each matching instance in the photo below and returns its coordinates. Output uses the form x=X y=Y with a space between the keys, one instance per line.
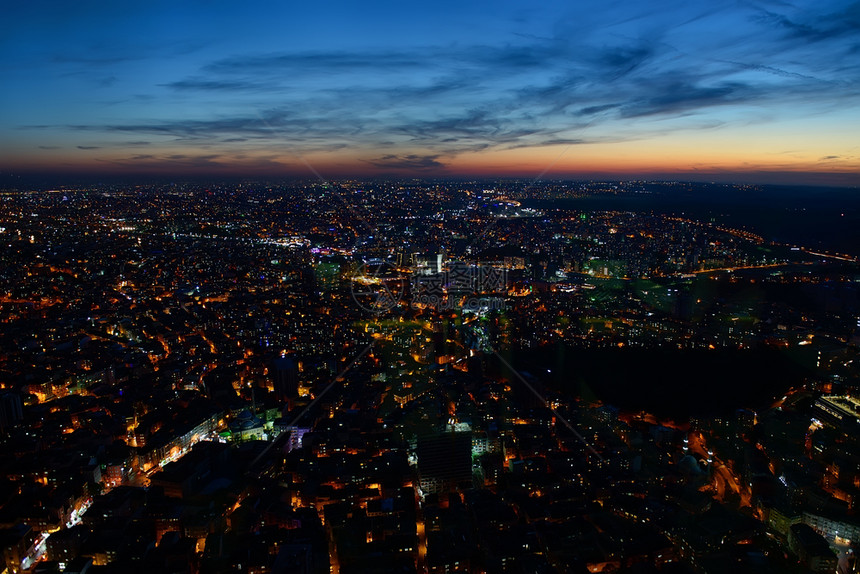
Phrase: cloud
x=89 y=147
x=203 y=163
x=162 y=161
x=772 y=70
x=670 y=96
x=592 y=110
x=475 y=124
x=542 y=142
x=407 y=162
x=816 y=27
x=594 y=80
x=196 y=84
x=333 y=61
x=623 y=60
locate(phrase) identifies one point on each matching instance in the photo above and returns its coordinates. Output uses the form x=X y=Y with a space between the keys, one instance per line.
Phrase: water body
x=819 y=218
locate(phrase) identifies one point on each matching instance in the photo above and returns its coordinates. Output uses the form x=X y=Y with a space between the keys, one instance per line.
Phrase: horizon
x=43 y=182
x=755 y=94
x=69 y=180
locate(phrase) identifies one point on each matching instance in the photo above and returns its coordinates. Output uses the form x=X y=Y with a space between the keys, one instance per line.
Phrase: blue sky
x=752 y=91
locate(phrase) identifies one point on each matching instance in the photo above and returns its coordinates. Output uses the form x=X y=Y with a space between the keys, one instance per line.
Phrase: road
x=724 y=478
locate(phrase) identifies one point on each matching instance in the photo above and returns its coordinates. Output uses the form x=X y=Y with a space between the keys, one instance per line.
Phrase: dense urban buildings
x=391 y=287
x=422 y=376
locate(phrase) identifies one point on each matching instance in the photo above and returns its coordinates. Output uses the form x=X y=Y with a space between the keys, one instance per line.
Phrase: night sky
x=765 y=92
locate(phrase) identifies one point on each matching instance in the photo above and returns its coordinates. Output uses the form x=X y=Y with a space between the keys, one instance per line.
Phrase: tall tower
x=285 y=375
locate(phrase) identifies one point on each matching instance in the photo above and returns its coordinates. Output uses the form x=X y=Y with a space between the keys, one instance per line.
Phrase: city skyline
x=762 y=92
x=430 y=288
x=429 y=376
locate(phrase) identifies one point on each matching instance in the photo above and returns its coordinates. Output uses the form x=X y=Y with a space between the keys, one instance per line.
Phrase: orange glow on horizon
x=692 y=155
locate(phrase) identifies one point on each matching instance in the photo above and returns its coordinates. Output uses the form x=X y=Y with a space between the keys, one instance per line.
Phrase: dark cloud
x=89 y=147
x=817 y=27
x=407 y=162
x=550 y=142
x=314 y=61
x=478 y=123
x=194 y=129
x=49 y=147
x=170 y=161
x=219 y=85
x=623 y=60
x=672 y=97
x=772 y=70
x=206 y=163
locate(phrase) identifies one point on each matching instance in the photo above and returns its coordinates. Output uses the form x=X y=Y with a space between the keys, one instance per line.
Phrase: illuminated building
x=842 y=412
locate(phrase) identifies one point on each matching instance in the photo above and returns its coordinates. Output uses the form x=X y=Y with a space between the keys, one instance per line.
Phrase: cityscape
x=255 y=383
x=478 y=288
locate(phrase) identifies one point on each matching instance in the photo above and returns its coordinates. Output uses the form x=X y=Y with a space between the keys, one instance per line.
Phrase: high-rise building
x=11 y=410
x=445 y=462
x=285 y=375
